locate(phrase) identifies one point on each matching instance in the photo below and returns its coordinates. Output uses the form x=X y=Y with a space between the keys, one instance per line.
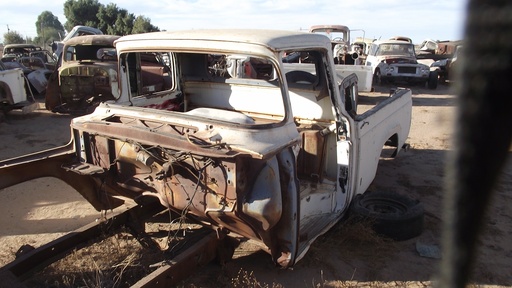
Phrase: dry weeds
x=116 y=261
x=119 y=260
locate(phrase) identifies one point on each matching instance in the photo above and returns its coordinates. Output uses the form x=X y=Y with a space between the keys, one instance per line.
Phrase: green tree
x=13 y=37
x=81 y=12
x=48 y=35
x=48 y=20
x=107 y=15
x=142 y=25
x=108 y=18
x=123 y=24
x=48 y=28
x=115 y=21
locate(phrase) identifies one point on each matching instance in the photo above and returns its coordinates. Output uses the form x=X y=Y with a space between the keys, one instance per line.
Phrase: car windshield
x=334 y=35
x=396 y=50
x=90 y=53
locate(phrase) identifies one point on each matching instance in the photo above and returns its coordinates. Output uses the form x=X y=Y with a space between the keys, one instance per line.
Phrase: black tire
x=391 y=214
x=433 y=79
x=443 y=78
x=377 y=78
x=298 y=76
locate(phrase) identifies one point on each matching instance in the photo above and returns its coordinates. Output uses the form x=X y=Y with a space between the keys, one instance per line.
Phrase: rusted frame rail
x=184 y=264
x=170 y=273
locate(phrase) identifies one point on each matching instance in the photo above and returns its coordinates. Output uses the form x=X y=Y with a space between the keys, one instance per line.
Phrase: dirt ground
x=349 y=255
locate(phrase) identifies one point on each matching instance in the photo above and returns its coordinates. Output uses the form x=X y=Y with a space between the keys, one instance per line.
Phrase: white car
x=395 y=61
x=12 y=92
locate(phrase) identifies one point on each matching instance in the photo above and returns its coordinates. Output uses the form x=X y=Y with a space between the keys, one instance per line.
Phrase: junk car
x=86 y=76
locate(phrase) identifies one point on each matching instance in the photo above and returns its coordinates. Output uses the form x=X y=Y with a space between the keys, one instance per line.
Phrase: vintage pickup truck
x=395 y=61
x=215 y=125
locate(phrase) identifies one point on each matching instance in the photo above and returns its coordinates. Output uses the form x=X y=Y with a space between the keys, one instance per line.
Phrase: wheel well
x=5 y=93
x=391 y=142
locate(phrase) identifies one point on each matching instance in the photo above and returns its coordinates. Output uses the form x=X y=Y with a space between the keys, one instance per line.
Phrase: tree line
x=110 y=19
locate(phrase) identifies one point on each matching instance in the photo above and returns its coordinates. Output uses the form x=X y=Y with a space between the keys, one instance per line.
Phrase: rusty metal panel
x=309 y=162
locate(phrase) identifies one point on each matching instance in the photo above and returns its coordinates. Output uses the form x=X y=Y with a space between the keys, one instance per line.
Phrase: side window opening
x=149 y=72
x=240 y=67
x=307 y=78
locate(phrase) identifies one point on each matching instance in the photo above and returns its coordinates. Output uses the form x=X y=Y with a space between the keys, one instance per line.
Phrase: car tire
x=299 y=76
x=442 y=78
x=377 y=78
x=390 y=214
x=433 y=80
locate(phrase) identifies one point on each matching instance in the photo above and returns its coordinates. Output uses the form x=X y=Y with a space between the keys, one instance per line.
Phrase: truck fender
x=264 y=203
x=5 y=93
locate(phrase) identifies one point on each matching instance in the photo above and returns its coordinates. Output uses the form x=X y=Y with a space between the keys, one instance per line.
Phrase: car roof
x=102 y=40
x=378 y=42
x=23 y=45
x=276 y=40
x=332 y=28
x=401 y=38
x=89 y=29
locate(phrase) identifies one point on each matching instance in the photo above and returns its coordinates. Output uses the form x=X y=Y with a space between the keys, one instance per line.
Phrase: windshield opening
x=406 y=50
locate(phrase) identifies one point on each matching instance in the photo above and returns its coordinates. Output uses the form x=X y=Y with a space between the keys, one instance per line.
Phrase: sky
x=378 y=19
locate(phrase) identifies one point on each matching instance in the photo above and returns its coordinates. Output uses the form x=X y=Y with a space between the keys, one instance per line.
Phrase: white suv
x=395 y=60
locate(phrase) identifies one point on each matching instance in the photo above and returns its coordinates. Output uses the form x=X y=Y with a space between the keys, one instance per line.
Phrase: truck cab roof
x=199 y=39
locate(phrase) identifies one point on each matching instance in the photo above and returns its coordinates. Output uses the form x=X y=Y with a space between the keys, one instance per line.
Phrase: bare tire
x=433 y=79
x=391 y=214
x=443 y=78
x=298 y=76
x=377 y=78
